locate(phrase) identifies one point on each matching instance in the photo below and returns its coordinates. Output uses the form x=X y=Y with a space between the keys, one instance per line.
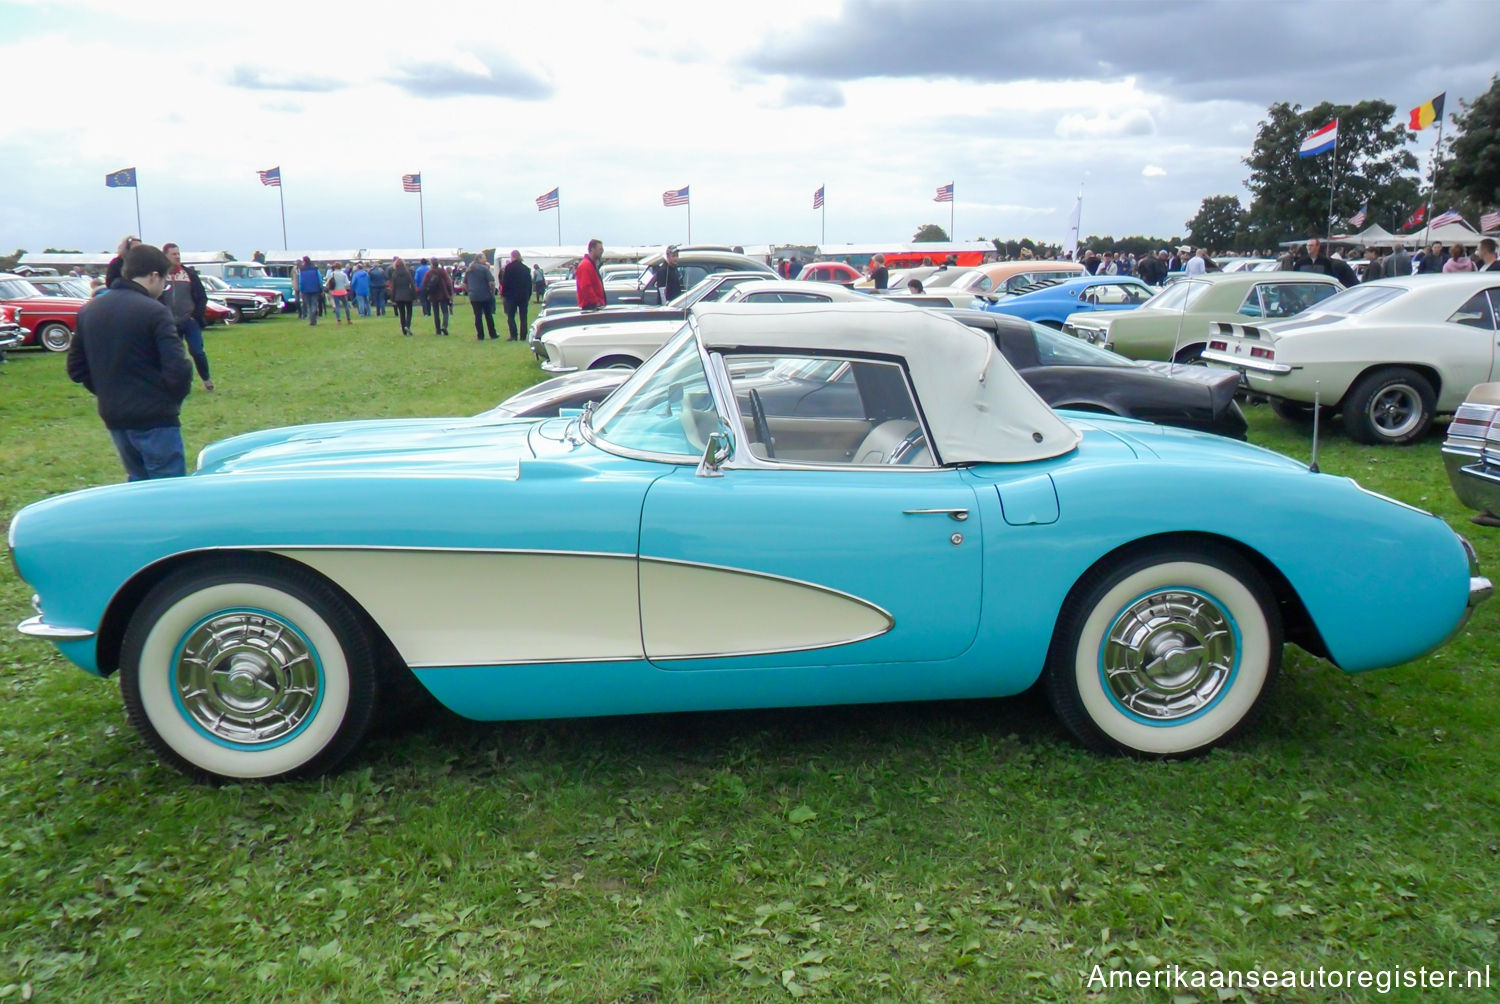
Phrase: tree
x=1469 y=167
x=929 y=232
x=8 y=262
x=1371 y=166
x=1218 y=225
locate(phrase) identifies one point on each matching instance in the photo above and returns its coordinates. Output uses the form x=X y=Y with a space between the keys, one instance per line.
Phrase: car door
x=867 y=554
x=1479 y=312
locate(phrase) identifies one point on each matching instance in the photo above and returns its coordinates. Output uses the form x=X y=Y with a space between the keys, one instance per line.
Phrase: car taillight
x=1219 y=346
x=1259 y=353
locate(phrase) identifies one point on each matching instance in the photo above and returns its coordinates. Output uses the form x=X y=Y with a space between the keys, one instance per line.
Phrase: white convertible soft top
x=978 y=408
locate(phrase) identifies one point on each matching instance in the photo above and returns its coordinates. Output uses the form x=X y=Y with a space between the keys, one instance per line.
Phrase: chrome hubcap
x=1169 y=655
x=1395 y=410
x=247 y=678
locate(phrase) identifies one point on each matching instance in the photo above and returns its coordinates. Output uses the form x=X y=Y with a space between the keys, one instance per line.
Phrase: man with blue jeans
x=188 y=302
x=359 y=282
x=128 y=354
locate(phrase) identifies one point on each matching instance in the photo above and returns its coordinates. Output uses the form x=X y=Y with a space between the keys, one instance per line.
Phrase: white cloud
x=1152 y=171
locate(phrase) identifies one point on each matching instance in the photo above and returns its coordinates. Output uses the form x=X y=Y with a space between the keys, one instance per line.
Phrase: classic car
x=251 y=275
x=1174 y=324
x=61 y=285
x=709 y=289
x=1051 y=301
x=1389 y=354
x=1064 y=372
x=628 y=343
x=12 y=335
x=949 y=536
x=1473 y=470
x=49 y=319
x=695 y=263
x=246 y=303
x=830 y=271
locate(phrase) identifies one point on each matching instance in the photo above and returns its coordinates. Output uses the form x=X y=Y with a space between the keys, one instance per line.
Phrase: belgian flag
x=1423 y=116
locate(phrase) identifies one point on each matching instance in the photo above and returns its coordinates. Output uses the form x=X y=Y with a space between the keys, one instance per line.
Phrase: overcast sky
x=1151 y=106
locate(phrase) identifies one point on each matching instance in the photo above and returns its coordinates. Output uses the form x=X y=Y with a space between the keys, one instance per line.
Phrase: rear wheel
x=54 y=336
x=1165 y=654
x=1389 y=407
x=256 y=671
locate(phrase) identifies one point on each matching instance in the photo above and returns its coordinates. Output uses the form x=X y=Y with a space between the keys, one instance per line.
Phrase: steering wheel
x=762 y=427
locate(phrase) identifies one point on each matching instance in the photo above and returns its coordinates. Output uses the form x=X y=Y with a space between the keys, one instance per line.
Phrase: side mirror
x=714 y=455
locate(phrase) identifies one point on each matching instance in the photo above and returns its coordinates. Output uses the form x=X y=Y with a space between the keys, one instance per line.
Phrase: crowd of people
x=364 y=289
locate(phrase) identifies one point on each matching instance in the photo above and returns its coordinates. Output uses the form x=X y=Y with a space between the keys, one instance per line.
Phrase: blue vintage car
x=704 y=539
x=1050 y=301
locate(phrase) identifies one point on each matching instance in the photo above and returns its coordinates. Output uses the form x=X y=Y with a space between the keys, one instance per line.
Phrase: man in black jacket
x=128 y=354
x=515 y=290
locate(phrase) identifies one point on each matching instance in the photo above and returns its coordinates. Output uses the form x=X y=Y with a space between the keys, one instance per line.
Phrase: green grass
x=938 y=852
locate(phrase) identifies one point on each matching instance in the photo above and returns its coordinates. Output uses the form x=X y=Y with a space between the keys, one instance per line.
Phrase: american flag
x=1443 y=219
x=675 y=196
x=1490 y=221
x=945 y=193
x=818 y=197
x=1358 y=219
x=411 y=183
x=546 y=202
x=271 y=176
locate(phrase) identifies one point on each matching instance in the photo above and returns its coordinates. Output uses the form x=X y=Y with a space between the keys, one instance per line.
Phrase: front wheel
x=1165 y=654
x=257 y=671
x=54 y=336
x=1389 y=407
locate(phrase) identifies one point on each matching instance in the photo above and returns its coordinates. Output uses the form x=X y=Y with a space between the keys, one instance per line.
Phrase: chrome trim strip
x=1480 y=589
x=1241 y=363
x=37 y=627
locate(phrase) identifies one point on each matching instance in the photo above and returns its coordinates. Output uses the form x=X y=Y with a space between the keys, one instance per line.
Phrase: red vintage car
x=830 y=271
x=51 y=320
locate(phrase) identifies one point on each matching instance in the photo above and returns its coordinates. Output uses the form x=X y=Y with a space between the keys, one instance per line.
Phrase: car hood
x=397 y=446
x=47 y=302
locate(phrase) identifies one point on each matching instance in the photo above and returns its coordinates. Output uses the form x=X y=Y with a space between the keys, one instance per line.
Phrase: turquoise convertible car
x=705 y=540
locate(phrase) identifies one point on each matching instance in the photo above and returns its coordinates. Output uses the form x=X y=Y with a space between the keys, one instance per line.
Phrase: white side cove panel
x=698 y=611
x=479 y=608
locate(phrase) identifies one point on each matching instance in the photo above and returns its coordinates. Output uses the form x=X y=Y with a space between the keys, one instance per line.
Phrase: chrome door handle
x=957 y=515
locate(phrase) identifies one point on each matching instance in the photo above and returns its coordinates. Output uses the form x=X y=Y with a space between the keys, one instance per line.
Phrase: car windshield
x=17 y=289
x=1053 y=348
x=1181 y=295
x=1360 y=299
x=665 y=408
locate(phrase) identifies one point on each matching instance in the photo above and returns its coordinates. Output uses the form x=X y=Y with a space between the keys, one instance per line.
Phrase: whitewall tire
x=256 y=672
x=1165 y=654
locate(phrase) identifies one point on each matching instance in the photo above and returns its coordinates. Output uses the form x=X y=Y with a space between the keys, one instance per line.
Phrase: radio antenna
x=1317 y=398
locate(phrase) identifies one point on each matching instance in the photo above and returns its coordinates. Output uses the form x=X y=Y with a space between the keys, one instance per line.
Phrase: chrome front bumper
x=551 y=367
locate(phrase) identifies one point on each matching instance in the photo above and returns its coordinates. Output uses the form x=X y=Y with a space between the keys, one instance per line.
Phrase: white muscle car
x=628 y=343
x=1388 y=354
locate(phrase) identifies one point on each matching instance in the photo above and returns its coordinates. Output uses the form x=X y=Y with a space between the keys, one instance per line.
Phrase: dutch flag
x=1321 y=141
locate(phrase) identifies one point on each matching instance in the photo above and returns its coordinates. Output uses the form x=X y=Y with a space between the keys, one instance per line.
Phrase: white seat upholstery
x=881 y=442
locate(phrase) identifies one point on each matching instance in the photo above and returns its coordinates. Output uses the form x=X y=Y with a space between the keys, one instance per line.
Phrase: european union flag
x=123 y=178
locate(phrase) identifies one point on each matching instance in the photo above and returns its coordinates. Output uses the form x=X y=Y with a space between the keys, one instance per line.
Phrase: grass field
x=939 y=852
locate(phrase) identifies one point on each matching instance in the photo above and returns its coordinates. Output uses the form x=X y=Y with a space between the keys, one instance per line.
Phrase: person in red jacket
x=590 y=286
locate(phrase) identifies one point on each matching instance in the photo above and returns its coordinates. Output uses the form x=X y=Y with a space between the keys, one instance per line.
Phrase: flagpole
x=137 y=187
x=823 y=225
x=421 y=214
x=1432 y=187
x=690 y=219
x=281 y=191
x=558 y=207
x=1333 y=173
x=950 y=210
